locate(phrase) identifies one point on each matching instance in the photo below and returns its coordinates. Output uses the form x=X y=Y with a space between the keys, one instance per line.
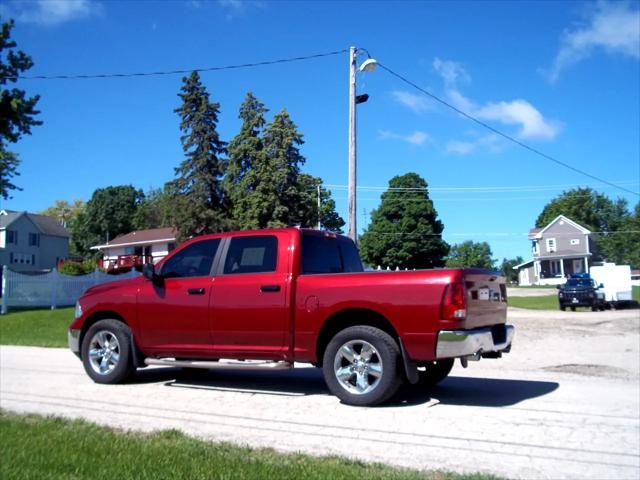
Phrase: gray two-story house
x=560 y=249
x=31 y=242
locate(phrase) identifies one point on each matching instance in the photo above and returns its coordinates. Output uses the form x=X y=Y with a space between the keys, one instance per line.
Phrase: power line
x=494 y=234
x=174 y=72
x=488 y=189
x=504 y=135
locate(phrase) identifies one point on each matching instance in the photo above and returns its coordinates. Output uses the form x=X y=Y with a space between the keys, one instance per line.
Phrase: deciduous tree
x=64 y=212
x=405 y=231
x=470 y=254
x=108 y=213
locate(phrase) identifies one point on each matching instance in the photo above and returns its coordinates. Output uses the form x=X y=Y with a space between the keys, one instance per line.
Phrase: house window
x=34 y=239
x=10 y=257
x=575 y=241
x=33 y=259
x=551 y=245
x=171 y=246
x=554 y=265
x=12 y=237
x=534 y=247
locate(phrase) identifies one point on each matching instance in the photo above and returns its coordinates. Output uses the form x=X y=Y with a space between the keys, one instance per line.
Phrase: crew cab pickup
x=269 y=298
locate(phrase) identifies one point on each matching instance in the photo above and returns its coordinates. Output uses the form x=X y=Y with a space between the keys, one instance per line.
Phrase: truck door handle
x=270 y=288
x=195 y=291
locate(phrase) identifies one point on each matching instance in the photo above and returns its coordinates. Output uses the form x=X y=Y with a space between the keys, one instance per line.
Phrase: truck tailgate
x=486 y=298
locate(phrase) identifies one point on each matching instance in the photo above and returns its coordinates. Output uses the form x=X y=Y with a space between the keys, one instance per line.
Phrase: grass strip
x=546 y=302
x=35 y=447
x=37 y=328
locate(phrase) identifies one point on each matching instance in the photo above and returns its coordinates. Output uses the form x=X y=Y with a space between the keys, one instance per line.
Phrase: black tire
x=112 y=359
x=573 y=309
x=594 y=308
x=562 y=307
x=385 y=358
x=435 y=372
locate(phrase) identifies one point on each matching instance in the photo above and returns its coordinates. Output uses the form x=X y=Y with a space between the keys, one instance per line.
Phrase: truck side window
x=252 y=255
x=192 y=261
x=323 y=254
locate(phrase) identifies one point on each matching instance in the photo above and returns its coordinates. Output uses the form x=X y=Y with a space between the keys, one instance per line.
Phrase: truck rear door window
x=322 y=254
x=252 y=255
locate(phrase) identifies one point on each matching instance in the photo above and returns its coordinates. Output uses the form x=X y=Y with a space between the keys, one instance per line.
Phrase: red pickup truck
x=269 y=298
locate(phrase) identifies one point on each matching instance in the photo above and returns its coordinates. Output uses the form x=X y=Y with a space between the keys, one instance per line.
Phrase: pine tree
x=404 y=230
x=17 y=112
x=246 y=153
x=281 y=169
x=308 y=191
x=200 y=205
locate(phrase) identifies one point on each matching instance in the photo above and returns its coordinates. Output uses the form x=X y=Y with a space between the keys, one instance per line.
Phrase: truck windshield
x=579 y=282
x=322 y=254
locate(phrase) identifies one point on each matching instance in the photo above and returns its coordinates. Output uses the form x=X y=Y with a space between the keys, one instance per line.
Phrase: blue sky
x=563 y=77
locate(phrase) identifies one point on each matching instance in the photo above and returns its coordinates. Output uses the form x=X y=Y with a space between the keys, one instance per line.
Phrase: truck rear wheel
x=435 y=372
x=106 y=352
x=361 y=366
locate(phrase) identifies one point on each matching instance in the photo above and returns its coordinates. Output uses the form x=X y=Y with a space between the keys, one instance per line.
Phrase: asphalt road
x=564 y=404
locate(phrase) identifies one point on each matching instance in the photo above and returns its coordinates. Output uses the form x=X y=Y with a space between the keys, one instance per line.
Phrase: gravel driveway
x=565 y=403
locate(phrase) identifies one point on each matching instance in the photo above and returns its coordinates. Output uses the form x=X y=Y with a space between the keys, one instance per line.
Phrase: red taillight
x=454 y=304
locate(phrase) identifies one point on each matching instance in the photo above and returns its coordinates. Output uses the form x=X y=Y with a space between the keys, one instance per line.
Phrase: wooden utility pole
x=353 y=233
x=319 y=209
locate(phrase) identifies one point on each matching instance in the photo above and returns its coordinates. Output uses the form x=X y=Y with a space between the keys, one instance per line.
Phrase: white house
x=137 y=248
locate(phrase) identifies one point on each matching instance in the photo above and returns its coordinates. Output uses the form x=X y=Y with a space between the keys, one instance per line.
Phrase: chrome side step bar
x=221 y=365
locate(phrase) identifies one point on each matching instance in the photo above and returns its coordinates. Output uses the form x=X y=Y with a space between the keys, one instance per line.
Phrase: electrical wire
x=488 y=189
x=504 y=135
x=173 y=72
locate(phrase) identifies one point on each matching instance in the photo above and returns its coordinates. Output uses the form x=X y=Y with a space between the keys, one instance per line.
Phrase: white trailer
x=616 y=281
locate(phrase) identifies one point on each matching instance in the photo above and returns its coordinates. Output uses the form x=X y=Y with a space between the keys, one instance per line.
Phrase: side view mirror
x=149 y=272
x=558 y=287
x=601 y=286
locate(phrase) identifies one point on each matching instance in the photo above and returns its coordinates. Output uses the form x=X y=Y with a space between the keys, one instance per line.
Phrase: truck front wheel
x=106 y=352
x=361 y=366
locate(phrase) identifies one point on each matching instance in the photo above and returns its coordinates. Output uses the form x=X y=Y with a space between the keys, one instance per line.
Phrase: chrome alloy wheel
x=358 y=367
x=104 y=352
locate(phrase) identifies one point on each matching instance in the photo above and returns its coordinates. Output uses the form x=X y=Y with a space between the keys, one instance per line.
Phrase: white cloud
x=451 y=72
x=232 y=4
x=50 y=12
x=460 y=148
x=465 y=147
x=613 y=28
x=519 y=112
x=417 y=103
x=415 y=138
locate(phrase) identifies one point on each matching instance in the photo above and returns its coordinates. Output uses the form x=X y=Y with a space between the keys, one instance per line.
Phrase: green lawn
x=39 y=328
x=36 y=447
x=550 y=302
x=547 y=302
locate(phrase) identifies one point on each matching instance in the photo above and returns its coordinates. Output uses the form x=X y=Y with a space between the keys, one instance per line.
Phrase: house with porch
x=134 y=249
x=561 y=248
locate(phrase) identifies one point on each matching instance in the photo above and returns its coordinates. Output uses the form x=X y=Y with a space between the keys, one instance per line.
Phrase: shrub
x=77 y=268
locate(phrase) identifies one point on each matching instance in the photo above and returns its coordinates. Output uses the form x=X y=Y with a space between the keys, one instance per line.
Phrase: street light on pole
x=369 y=65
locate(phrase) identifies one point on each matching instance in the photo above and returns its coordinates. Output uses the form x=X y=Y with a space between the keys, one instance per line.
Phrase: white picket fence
x=50 y=289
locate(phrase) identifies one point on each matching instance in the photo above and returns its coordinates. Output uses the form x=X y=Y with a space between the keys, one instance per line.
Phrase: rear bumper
x=464 y=343
x=73 y=337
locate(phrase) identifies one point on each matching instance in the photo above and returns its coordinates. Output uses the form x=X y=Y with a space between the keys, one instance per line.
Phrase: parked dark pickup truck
x=580 y=291
x=269 y=298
